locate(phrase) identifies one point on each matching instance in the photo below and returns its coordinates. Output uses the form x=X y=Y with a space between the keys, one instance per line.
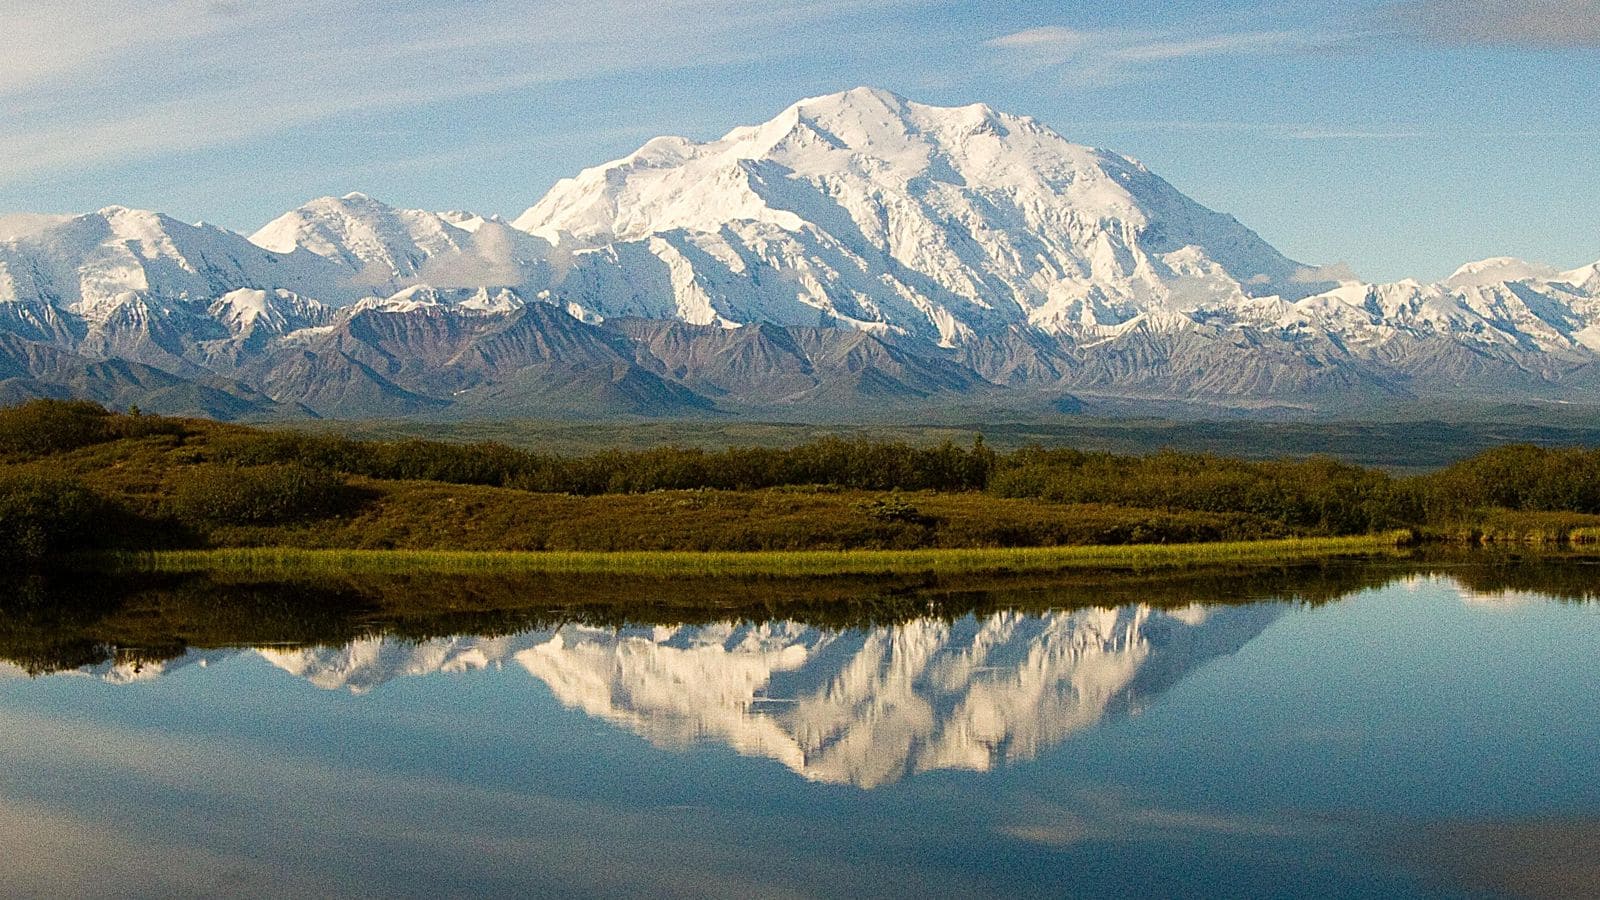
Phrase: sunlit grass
x=291 y=562
x=1530 y=527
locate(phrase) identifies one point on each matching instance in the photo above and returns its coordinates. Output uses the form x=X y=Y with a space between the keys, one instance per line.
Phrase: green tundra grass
x=801 y=563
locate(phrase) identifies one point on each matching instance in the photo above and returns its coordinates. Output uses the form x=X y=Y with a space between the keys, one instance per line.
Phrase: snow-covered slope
x=887 y=253
x=91 y=265
x=385 y=249
x=868 y=708
x=869 y=210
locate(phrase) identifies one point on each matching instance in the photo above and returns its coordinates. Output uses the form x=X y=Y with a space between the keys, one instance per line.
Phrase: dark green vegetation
x=62 y=622
x=1401 y=439
x=76 y=477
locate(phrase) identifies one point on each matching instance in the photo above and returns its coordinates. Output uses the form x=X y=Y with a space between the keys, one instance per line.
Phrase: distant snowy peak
x=1499 y=269
x=1586 y=279
x=361 y=233
x=873 y=162
x=91 y=264
x=384 y=247
x=249 y=311
x=483 y=301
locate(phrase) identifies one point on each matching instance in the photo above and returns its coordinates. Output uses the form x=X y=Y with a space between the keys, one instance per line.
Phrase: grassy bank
x=276 y=561
x=1511 y=528
x=75 y=477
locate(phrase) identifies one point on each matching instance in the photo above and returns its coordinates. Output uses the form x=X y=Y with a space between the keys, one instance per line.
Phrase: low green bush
x=52 y=426
x=1317 y=496
x=42 y=515
x=257 y=495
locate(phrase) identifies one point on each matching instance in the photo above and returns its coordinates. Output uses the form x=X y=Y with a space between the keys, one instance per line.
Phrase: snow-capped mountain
x=859 y=250
x=385 y=249
x=868 y=210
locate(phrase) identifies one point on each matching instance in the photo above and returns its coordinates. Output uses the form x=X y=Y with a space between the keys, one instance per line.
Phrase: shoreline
x=286 y=561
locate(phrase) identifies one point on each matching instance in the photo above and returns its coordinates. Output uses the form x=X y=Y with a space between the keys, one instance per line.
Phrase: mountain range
x=859 y=253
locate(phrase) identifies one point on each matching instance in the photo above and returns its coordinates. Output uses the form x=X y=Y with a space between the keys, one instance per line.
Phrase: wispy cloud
x=88 y=81
x=1116 y=54
x=1338 y=133
x=1323 y=131
x=1532 y=24
x=351 y=823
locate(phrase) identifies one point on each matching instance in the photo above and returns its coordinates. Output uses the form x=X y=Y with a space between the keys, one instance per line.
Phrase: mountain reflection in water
x=1399 y=728
x=863 y=704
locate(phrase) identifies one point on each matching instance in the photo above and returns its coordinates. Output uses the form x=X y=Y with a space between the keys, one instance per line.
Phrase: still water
x=1405 y=732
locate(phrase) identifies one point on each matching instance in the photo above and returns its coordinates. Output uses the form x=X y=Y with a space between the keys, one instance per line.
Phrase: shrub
x=1518 y=477
x=137 y=425
x=894 y=508
x=1315 y=495
x=870 y=465
x=41 y=516
x=257 y=495
x=40 y=427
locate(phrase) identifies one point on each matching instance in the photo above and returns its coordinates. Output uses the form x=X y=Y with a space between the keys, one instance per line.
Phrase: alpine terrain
x=859 y=252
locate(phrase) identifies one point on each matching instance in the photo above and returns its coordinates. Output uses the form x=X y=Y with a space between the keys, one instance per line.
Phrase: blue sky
x=1402 y=137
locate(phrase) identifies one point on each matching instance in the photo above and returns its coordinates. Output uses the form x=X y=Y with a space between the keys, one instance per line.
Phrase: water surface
x=1372 y=731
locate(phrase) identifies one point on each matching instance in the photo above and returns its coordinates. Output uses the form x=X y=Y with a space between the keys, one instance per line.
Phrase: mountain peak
x=368 y=235
x=886 y=103
x=1584 y=277
x=1497 y=269
x=975 y=247
x=864 y=97
x=960 y=218
x=128 y=213
x=349 y=203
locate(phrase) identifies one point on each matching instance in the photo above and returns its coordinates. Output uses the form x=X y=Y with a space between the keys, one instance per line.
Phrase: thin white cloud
x=15 y=225
x=1325 y=133
x=1116 y=54
x=1308 y=131
x=1339 y=271
x=349 y=822
x=1213 y=45
x=1051 y=37
x=48 y=39
x=85 y=82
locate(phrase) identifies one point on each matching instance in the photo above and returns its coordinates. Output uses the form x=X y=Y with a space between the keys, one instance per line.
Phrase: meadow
x=164 y=493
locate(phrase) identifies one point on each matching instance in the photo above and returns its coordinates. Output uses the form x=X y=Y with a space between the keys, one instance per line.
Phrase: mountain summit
x=871 y=211
x=860 y=251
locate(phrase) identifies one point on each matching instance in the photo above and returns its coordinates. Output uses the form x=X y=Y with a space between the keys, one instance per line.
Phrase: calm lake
x=1382 y=730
